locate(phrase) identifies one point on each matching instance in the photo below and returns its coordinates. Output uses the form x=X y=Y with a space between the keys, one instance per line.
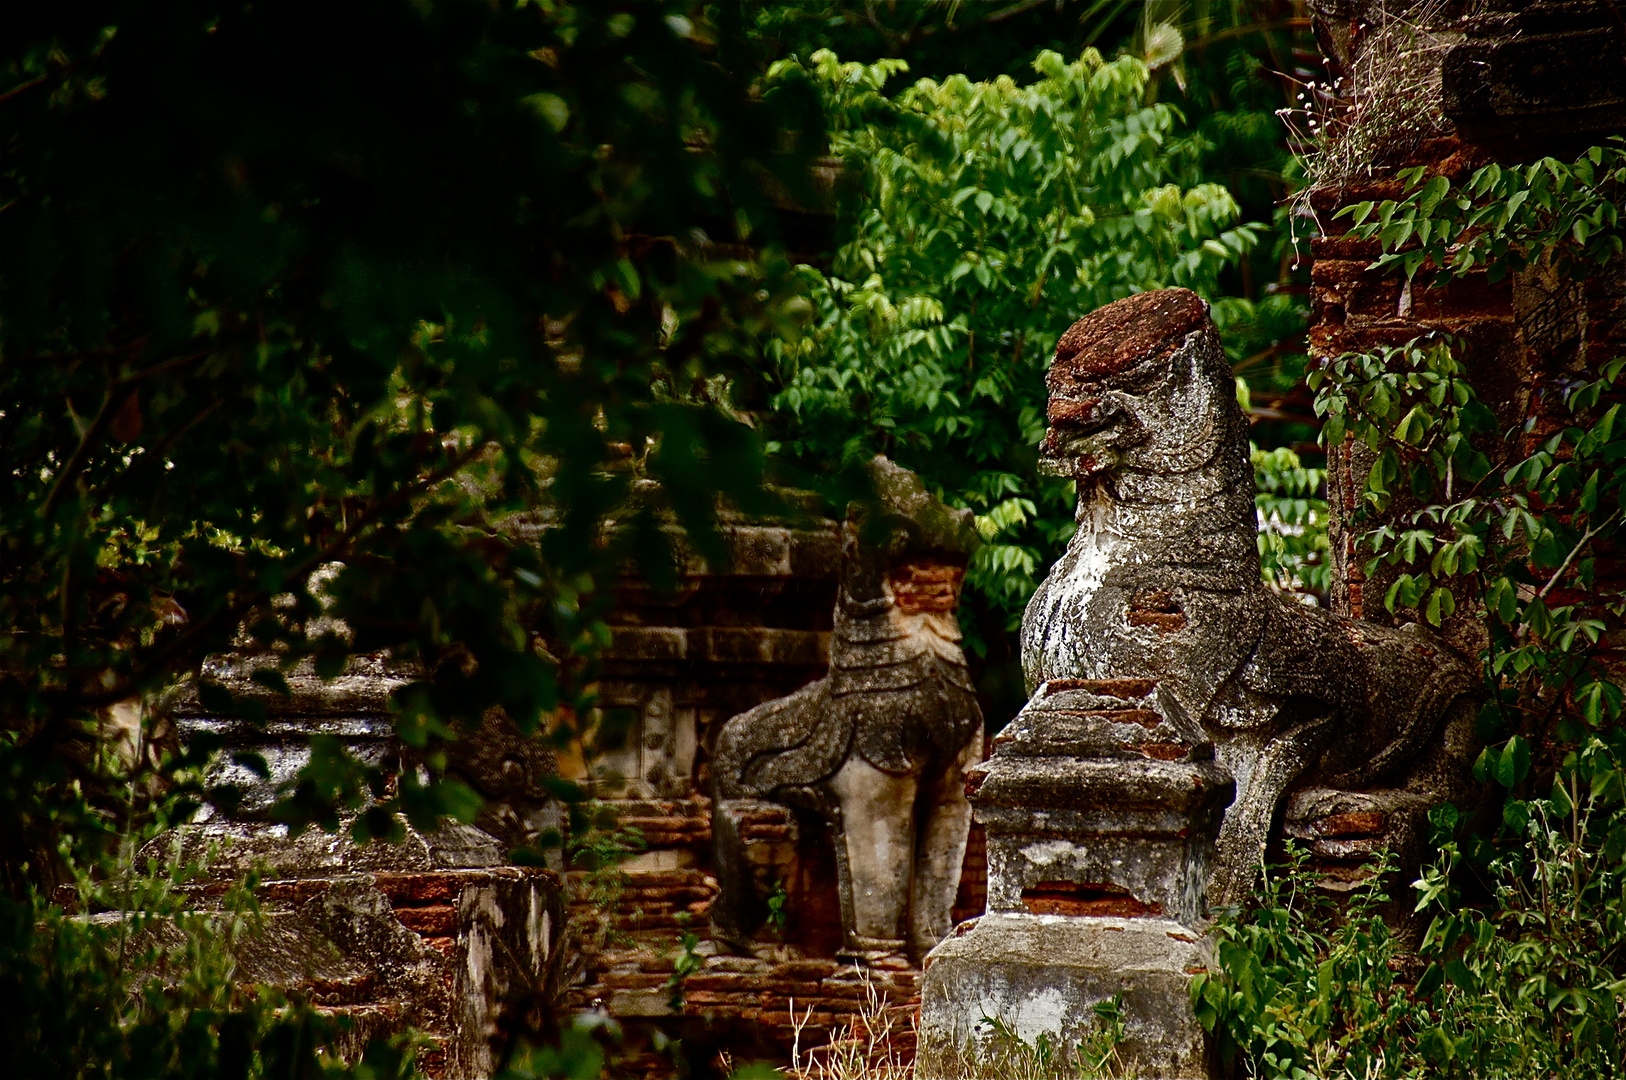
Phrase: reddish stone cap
x=1123 y=334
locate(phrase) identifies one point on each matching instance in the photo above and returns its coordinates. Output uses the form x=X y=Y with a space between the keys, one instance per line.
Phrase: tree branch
x=104 y=416
x=302 y=570
x=1016 y=9
x=19 y=88
x=76 y=460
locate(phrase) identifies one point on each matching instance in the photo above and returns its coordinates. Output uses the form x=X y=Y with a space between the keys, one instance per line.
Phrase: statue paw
x=887 y=954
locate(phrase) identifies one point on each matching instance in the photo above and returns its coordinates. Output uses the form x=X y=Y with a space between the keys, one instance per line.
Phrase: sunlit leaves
x=1503 y=218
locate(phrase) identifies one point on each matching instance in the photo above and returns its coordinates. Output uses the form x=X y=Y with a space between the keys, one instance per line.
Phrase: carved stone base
x=1043 y=975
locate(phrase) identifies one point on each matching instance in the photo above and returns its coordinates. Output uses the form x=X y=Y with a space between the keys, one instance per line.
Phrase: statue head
x=906 y=545
x=1141 y=383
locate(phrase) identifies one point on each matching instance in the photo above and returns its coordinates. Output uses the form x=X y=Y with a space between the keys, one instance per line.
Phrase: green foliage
x=280 y=293
x=1462 y=505
x=778 y=915
x=984 y=210
x=1292 y=521
x=1301 y=994
x=687 y=962
x=136 y=985
x=1520 y=532
x=282 y=288
x=1517 y=520
x=1504 y=218
x=579 y=1053
x=1533 y=986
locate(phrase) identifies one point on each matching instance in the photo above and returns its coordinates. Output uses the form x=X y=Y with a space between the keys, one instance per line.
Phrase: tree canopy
x=284 y=288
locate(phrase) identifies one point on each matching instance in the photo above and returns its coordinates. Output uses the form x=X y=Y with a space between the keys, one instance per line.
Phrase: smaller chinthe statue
x=878 y=748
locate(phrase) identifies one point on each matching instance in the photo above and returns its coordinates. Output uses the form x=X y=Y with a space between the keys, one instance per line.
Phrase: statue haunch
x=878 y=746
x=1161 y=581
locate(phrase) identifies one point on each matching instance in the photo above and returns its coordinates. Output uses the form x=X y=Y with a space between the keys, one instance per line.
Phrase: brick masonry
x=794 y=994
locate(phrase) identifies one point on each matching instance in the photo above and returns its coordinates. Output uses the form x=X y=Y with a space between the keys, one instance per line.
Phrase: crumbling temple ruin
x=804 y=746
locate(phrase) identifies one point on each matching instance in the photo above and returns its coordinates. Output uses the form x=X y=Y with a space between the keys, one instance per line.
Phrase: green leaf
x=1431 y=194
x=1441 y=604
x=1513 y=762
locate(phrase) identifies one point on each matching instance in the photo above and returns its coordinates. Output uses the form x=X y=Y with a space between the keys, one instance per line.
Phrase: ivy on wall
x=1529 y=978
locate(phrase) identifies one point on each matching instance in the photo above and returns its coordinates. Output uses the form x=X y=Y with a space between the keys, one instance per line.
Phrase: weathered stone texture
x=1041 y=975
x=1101 y=815
x=1533 y=75
x=634 y=940
x=435 y=932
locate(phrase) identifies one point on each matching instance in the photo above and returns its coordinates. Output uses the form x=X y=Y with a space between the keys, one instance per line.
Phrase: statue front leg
x=940 y=858
x=876 y=839
x=1262 y=775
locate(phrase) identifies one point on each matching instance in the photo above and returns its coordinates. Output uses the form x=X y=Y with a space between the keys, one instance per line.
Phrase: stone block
x=1042 y=975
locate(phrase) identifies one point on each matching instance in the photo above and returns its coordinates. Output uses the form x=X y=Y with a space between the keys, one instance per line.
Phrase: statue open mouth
x=1075 y=454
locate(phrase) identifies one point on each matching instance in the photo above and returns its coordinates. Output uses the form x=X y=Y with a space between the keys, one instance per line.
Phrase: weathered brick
x=433 y=919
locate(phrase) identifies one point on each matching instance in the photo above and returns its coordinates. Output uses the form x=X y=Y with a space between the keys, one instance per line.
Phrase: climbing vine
x=1503 y=218
x=1517 y=511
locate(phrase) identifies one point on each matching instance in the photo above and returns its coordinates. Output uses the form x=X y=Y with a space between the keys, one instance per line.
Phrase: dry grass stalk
x=1387 y=106
x=876 y=1044
x=879 y=1044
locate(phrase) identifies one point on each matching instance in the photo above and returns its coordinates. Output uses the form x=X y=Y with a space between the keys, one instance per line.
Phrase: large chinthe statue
x=1160 y=670
x=879 y=746
x=1161 y=581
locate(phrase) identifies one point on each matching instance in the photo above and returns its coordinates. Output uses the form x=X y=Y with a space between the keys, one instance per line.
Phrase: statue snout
x=1080 y=440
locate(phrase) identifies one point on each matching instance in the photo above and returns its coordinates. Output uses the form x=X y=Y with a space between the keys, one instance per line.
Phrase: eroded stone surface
x=432 y=932
x=878 y=746
x=1095 y=804
x=1100 y=811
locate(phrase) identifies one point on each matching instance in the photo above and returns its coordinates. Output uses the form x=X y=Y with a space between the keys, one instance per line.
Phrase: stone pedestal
x=1044 y=974
x=433 y=933
x=1101 y=815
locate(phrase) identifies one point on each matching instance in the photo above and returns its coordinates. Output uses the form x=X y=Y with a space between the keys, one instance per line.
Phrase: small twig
x=1016 y=9
x=76 y=460
x=19 y=88
x=1247 y=28
x=1574 y=551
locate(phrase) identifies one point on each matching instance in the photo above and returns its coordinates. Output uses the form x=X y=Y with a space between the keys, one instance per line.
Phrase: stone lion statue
x=1161 y=581
x=879 y=745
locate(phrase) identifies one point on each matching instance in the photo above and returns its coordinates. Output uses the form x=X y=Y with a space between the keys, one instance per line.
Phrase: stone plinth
x=1101 y=814
x=433 y=933
x=1044 y=974
x=1097 y=805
